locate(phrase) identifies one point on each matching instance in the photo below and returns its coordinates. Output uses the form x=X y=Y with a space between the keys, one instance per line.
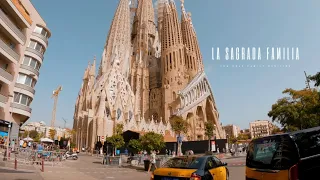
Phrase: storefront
x=4 y=127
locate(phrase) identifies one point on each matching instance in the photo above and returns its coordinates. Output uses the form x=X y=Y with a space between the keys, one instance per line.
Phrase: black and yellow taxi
x=206 y=167
x=288 y=156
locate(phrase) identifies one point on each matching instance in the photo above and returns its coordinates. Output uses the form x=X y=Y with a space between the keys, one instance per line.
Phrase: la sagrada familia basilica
x=150 y=70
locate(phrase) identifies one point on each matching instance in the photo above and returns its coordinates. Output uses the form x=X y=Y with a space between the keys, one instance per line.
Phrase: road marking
x=109 y=177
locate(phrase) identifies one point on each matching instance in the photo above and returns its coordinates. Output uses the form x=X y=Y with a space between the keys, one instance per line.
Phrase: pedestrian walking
x=152 y=160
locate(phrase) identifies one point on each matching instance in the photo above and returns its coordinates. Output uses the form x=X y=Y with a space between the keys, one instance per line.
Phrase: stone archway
x=210 y=113
x=199 y=123
x=191 y=122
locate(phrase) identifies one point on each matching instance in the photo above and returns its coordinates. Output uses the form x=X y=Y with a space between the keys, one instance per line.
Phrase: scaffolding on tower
x=55 y=95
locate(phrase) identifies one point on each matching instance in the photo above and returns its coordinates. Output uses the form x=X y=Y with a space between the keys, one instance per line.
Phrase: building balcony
x=12 y=28
x=42 y=37
x=25 y=87
x=3 y=100
x=5 y=76
x=21 y=109
x=8 y=52
x=30 y=69
x=35 y=52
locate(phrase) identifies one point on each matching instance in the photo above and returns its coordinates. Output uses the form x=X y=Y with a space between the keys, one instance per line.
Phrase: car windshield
x=184 y=162
x=274 y=152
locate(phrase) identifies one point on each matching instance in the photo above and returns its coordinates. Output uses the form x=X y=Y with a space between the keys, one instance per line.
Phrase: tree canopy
x=299 y=110
x=117 y=140
x=152 y=141
x=179 y=125
x=135 y=145
x=52 y=133
x=209 y=128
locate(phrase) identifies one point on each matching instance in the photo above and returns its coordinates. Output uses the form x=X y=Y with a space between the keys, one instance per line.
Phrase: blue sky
x=79 y=31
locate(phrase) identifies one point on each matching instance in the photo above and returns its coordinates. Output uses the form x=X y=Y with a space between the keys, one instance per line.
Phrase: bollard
x=15 y=163
x=42 y=165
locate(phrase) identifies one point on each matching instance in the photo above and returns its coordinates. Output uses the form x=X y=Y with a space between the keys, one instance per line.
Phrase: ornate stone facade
x=150 y=70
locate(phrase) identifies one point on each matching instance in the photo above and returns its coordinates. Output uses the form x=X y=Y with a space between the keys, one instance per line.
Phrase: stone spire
x=143 y=37
x=172 y=58
x=119 y=36
x=193 y=57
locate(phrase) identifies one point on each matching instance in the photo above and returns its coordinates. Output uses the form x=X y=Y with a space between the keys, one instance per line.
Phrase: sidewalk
x=12 y=174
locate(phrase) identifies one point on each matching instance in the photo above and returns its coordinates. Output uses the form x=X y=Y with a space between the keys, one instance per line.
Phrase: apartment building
x=232 y=130
x=261 y=128
x=23 y=42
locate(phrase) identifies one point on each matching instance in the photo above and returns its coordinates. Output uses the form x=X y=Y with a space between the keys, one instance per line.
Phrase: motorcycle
x=73 y=156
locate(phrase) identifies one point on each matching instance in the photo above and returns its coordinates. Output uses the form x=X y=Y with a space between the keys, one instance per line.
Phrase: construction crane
x=55 y=95
x=65 y=122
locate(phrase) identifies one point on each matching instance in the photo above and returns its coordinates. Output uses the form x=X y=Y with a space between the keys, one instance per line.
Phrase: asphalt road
x=90 y=168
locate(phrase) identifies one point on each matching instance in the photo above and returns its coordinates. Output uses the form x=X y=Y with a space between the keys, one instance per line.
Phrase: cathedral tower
x=143 y=38
x=193 y=58
x=118 y=39
x=172 y=59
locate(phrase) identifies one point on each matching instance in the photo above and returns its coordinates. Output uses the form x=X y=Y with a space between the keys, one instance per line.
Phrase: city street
x=90 y=168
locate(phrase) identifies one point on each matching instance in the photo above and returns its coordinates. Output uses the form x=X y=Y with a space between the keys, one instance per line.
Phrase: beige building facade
x=23 y=42
x=261 y=128
x=232 y=130
x=151 y=69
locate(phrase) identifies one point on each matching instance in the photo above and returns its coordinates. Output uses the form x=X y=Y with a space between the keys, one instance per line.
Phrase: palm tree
x=179 y=126
x=209 y=128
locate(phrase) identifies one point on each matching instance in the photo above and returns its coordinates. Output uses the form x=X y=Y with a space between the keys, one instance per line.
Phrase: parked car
x=289 y=156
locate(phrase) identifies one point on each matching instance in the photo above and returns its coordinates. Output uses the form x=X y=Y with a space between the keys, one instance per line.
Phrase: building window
x=25 y=79
x=42 y=31
x=37 y=46
x=22 y=99
x=29 y=61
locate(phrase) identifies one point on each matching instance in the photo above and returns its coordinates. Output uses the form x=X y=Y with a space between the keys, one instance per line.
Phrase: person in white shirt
x=152 y=160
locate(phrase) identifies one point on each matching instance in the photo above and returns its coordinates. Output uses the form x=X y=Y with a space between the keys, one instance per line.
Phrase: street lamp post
x=8 y=140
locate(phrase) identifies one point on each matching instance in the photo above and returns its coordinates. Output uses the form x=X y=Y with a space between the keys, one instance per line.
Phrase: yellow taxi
x=288 y=156
x=192 y=168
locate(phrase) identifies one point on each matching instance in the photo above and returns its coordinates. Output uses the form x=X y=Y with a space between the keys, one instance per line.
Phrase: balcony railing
x=7 y=49
x=22 y=107
x=25 y=87
x=45 y=39
x=3 y=98
x=6 y=75
x=13 y=27
x=35 y=52
x=36 y=72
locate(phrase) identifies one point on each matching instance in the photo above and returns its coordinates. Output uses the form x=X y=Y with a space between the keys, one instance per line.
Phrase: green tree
x=298 y=110
x=276 y=130
x=52 y=133
x=315 y=78
x=33 y=134
x=117 y=140
x=179 y=126
x=208 y=130
x=233 y=140
x=243 y=136
x=135 y=145
x=152 y=141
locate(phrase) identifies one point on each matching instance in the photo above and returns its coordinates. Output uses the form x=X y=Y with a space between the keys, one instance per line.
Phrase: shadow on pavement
x=140 y=169
x=97 y=162
x=13 y=171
